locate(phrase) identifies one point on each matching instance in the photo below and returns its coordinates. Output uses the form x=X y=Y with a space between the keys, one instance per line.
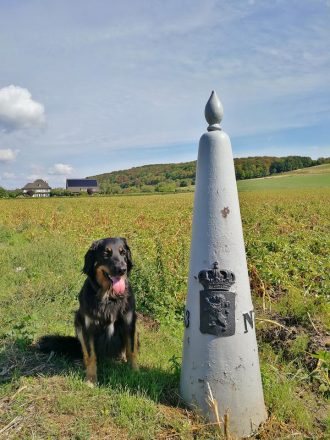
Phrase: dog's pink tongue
x=118 y=285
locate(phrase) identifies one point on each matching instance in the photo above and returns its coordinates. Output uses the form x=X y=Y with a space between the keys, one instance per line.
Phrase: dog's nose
x=120 y=270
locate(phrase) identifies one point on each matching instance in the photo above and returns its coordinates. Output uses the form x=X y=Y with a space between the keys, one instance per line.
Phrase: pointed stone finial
x=213 y=112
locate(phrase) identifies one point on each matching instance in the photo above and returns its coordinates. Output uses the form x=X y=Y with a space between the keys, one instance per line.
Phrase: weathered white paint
x=229 y=364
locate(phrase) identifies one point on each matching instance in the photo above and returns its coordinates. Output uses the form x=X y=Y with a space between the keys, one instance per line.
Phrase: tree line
x=181 y=176
x=253 y=167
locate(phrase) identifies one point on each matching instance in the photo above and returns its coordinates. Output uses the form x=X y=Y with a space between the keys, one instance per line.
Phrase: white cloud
x=7 y=155
x=19 y=110
x=61 y=169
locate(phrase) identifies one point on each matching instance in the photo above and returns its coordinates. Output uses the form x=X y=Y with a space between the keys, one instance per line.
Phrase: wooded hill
x=177 y=177
x=181 y=176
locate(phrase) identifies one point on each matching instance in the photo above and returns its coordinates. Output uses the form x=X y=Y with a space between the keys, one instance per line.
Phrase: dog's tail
x=64 y=345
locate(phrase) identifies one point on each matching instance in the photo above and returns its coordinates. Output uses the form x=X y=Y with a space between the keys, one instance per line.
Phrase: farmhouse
x=38 y=188
x=82 y=185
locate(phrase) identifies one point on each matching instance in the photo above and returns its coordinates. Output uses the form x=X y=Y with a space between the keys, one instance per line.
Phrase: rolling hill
x=181 y=176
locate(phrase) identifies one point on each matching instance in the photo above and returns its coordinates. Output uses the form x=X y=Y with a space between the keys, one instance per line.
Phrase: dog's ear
x=90 y=258
x=128 y=255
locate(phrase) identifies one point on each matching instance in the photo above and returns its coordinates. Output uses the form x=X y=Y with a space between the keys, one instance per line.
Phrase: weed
x=23 y=332
x=175 y=362
x=322 y=371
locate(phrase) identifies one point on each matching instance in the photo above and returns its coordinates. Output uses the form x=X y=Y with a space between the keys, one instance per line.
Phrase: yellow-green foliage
x=286 y=238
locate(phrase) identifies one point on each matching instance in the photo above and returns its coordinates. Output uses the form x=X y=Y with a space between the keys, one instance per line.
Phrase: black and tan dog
x=105 y=322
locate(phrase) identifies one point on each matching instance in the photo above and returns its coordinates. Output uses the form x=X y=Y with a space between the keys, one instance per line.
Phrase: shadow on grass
x=20 y=360
x=155 y=383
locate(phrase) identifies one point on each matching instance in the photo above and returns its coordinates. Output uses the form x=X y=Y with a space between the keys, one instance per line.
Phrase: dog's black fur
x=105 y=322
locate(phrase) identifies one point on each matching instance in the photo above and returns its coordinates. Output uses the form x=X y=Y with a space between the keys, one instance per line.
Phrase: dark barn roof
x=81 y=183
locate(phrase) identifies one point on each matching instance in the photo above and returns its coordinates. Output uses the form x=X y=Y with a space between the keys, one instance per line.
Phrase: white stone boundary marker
x=220 y=348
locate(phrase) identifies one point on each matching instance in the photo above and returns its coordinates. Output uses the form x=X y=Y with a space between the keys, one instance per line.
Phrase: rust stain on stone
x=225 y=211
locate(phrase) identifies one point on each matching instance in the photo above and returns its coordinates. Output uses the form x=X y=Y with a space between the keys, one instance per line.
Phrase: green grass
x=42 y=244
x=309 y=178
x=318 y=169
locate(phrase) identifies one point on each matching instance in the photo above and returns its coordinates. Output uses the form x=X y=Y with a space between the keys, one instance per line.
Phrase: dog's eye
x=107 y=253
x=122 y=252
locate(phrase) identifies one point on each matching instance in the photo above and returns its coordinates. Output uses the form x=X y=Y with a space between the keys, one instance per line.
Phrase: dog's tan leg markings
x=90 y=360
x=91 y=366
x=131 y=350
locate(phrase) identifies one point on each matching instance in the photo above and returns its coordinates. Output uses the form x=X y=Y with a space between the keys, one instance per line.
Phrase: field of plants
x=42 y=245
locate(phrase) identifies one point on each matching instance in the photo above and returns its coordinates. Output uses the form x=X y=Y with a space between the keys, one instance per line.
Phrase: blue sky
x=94 y=86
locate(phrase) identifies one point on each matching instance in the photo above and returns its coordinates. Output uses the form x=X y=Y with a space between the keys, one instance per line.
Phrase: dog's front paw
x=91 y=381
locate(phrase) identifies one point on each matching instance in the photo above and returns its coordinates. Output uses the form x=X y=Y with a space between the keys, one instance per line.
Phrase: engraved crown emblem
x=216 y=279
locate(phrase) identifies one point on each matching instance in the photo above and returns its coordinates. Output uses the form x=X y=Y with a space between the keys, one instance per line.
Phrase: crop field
x=42 y=245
